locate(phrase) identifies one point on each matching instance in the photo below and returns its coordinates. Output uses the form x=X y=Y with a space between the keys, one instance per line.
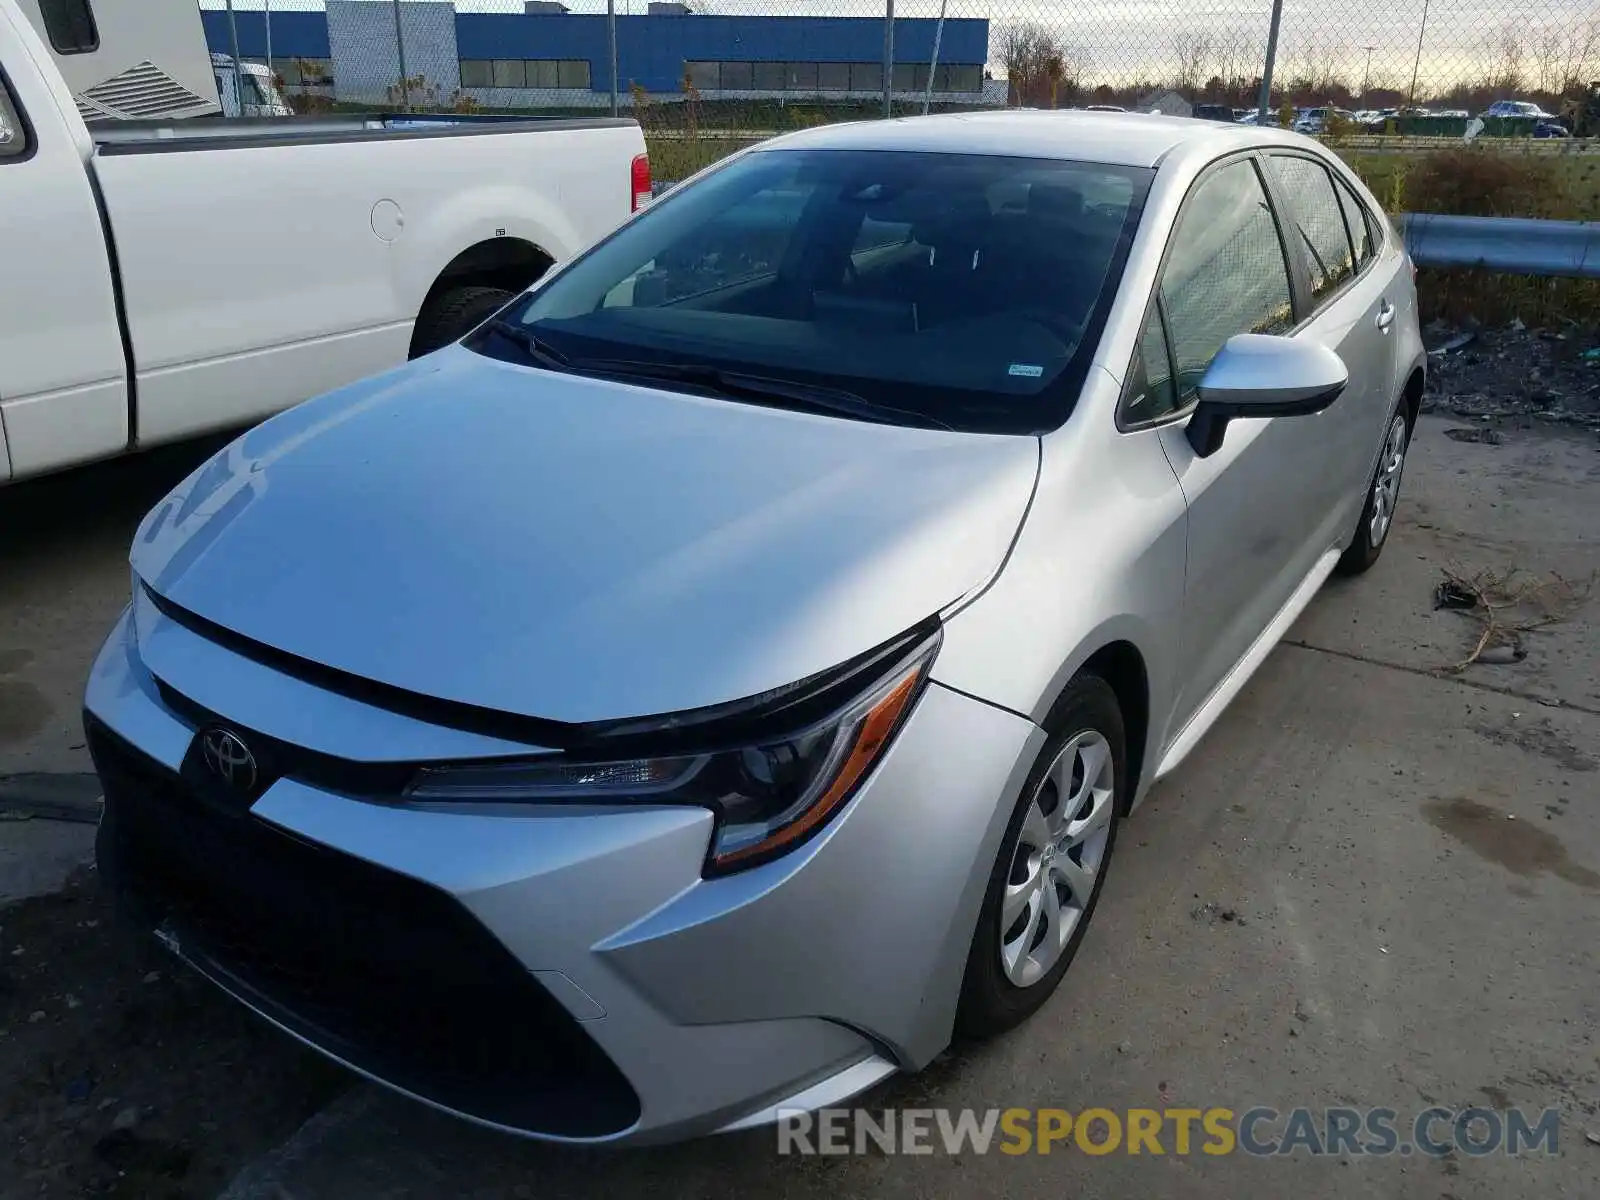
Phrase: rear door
x=1346 y=307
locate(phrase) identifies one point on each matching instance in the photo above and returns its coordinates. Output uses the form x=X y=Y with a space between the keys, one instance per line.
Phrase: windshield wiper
x=541 y=351
x=814 y=397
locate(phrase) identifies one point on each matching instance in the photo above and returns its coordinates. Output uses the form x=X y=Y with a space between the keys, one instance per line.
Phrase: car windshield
x=960 y=291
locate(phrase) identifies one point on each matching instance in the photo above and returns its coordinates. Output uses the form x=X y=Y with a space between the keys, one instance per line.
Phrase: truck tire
x=454 y=313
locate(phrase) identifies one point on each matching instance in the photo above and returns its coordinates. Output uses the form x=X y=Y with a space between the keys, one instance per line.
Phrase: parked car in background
x=705 y=689
x=170 y=278
x=1213 y=112
x=1516 y=108
x=1551 y=129
x=1316 y=120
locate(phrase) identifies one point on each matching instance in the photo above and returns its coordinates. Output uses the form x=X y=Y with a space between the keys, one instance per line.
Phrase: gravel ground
x=1514 y=373
x=124 y=1074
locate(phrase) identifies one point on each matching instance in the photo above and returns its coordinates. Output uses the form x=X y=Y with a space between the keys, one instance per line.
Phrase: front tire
x=1047 y=877
x=450 y=316
x=1383 y=494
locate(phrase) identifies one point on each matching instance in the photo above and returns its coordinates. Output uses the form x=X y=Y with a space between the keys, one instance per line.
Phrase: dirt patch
x=126 y=1075
x=1540 y=737
x=1518 y=846
x=1516 y=373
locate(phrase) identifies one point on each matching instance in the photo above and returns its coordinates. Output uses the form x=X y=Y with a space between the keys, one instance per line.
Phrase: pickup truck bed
x=170 y=278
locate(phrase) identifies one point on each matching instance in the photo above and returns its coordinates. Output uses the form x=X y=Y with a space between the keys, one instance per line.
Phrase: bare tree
x=1569 y=57
x=1041 y=70
x=1238 y=61
x=1507 y=75
x=1192 y=49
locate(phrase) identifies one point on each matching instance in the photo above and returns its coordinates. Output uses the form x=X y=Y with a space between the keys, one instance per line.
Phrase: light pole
x=1417 y=66
x=238 y=63
x=400 y=53
x=1366 y=75
x=1266 y=69
x=888 y=59
x=611 y=46
x=933 y=67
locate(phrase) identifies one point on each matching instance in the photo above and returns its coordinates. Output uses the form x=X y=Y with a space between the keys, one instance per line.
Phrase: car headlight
x=770 y=791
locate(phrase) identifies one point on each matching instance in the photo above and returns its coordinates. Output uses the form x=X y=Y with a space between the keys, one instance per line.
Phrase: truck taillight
x=641 y=181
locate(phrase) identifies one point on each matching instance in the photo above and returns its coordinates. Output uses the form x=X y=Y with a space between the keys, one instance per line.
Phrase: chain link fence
x=714 y=73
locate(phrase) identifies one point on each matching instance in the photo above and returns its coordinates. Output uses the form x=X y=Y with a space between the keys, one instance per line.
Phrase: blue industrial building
x=520 y=59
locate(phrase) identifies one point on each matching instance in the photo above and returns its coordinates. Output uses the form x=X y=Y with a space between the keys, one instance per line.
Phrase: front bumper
x=558 y=972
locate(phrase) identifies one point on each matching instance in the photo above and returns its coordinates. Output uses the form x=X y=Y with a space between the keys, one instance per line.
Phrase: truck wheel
x=452 y=314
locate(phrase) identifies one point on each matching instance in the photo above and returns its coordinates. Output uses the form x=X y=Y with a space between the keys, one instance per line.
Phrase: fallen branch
x=1499 y=601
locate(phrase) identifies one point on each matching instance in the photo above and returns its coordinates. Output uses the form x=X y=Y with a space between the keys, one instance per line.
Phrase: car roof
x=1120 y=139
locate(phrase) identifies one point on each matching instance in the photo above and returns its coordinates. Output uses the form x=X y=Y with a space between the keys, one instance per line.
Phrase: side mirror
x=1259 y=375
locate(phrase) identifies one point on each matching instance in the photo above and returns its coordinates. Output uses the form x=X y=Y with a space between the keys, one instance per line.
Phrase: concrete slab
x=37 y=856
x=1369 y=886
x=1531 y=503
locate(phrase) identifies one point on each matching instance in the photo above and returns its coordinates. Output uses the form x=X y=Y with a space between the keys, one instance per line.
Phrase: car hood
x=577 y=549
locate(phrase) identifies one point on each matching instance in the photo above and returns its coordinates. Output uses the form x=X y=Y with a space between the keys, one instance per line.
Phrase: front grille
x=388 y=974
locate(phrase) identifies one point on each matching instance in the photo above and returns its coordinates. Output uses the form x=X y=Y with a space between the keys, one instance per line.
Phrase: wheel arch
x=1121 y=665
x=1411 y=395
x=509 y=263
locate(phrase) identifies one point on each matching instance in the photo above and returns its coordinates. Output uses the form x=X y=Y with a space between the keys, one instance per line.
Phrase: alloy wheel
x=1058 y=857
x=1386 y=484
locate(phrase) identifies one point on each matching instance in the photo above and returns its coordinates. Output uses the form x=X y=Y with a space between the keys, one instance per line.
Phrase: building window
x=910 y=77
x=546 y=73
x=703 y=76
x=866 y=77
x=833 y=77
x=69 y=24
x=957 y=78
x=303 y=72
x=769 y=76
x=509 y=73
x=811 y=77
x=802 y=77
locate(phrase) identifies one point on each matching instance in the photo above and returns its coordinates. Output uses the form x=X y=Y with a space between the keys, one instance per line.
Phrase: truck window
x=69 y=24
x=13 y=134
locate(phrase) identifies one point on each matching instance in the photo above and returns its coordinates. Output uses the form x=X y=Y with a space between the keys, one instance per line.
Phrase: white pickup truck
x=159 y=280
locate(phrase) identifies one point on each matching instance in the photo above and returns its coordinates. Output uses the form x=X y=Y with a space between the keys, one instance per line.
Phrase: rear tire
x=1061 y=834
x=1383 y=494
x=451 y=315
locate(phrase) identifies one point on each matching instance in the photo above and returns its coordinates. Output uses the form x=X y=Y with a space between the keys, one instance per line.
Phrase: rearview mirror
x=1259 y=375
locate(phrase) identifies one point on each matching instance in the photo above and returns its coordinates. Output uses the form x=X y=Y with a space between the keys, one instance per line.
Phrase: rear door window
x=1360 y=223
x=1315 y=222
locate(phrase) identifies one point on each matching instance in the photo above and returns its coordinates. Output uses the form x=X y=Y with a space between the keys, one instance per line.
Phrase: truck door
x=63 y=372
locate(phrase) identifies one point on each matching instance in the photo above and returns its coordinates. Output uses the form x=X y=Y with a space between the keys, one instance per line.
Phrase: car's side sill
x=1206 y=715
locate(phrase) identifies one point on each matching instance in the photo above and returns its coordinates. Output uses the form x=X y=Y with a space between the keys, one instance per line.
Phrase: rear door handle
x=1385 y=315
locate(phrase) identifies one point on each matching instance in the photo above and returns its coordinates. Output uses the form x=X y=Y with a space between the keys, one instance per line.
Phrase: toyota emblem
x=229 y=759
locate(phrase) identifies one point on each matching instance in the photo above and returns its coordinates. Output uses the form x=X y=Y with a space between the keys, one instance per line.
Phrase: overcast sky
x=1115 y=39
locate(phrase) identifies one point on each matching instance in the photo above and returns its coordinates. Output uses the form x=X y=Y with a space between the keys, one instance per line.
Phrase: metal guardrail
x=1515 y=245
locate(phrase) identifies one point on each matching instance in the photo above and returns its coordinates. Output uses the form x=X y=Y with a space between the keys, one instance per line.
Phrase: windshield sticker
x=1026 y=370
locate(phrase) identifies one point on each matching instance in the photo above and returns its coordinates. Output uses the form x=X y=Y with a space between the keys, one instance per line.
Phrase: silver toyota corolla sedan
x=718 y=682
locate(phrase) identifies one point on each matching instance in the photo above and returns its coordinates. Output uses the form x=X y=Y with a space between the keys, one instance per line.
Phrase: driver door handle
x=1385 y=315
